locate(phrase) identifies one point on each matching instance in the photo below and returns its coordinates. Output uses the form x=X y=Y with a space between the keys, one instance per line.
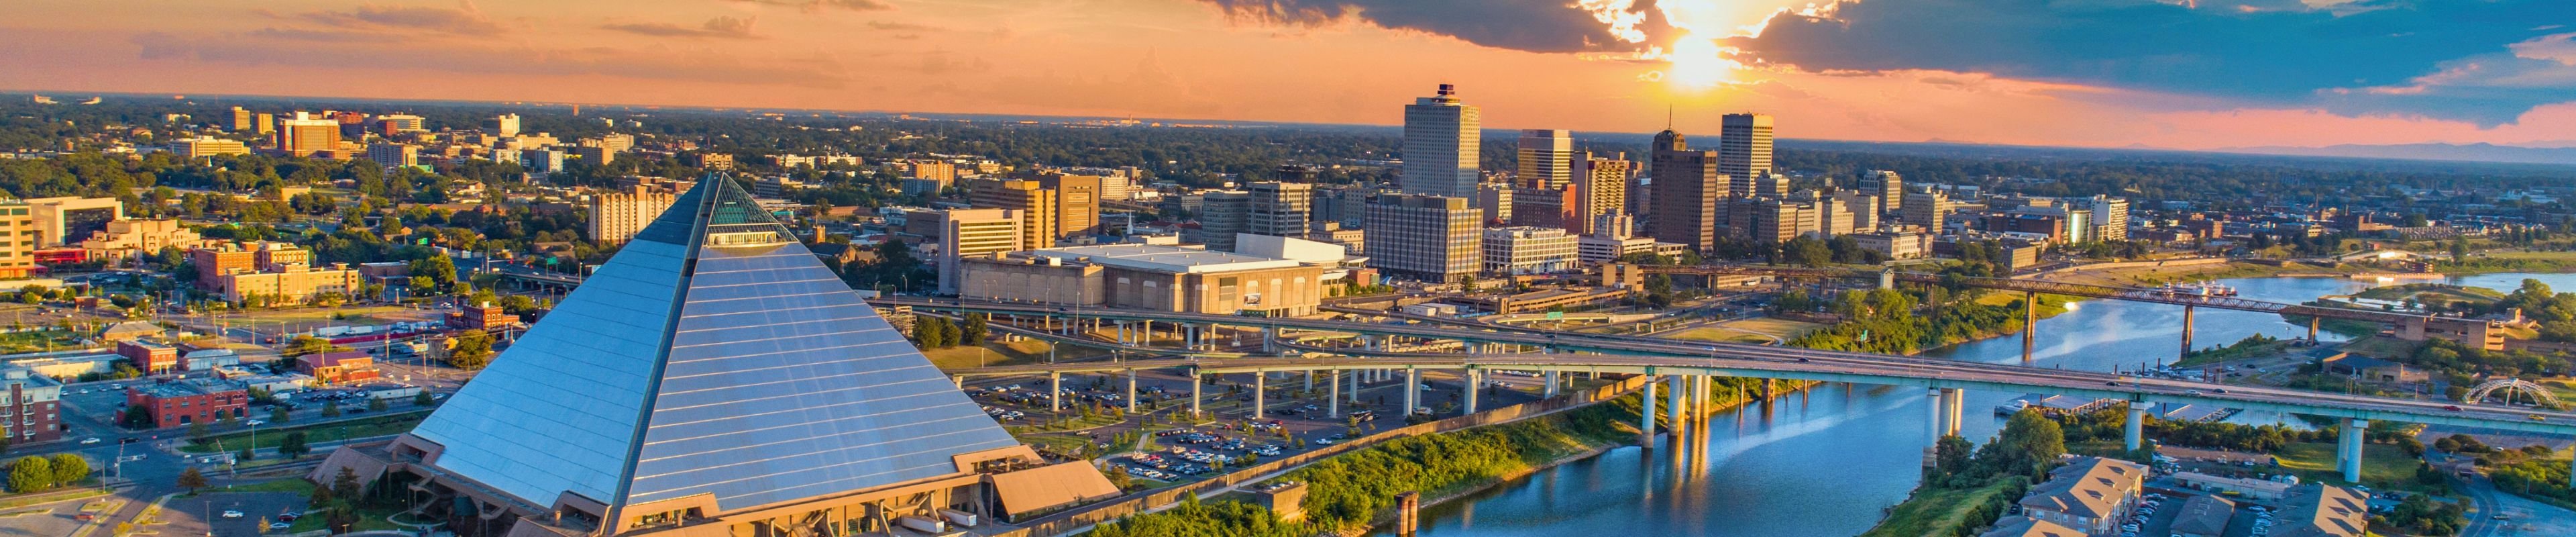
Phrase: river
x=1830 y=460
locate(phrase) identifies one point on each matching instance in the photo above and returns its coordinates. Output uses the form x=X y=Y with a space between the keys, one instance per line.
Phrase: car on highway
x=2453 y=408
x=228 y=513
x=88 y=441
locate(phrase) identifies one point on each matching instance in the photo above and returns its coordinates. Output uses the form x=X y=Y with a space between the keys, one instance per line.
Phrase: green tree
x=69 y=468
x=198 y=431
x=330 y=410
x=192 y=480
x=278 y=415
x=293 y=445
x=423 y=398
x=376 y=404
x=472 y=351
x=31 y=474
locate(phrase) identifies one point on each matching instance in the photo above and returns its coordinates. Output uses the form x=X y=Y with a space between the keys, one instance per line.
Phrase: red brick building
x=480 y=317
x=152 y=358
x=343 y=367
x=32 y=412
x=183 y=402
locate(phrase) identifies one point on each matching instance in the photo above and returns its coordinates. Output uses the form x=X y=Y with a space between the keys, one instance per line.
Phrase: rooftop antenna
x=1668 y=116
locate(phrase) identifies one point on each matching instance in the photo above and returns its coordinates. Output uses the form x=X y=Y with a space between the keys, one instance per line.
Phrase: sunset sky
x=2180 y=74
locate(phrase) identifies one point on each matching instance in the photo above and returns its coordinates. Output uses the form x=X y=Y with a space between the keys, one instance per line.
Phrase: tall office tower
x=1117 y=187
x=1278 y=209
x=1546 y=158
x=1495 y=199
x=1440 y=146
x=1744 y=154
x=17 y=257
x=2110 y=217
x=1221 y=214
x=1926 y=207
x=711 y=375
x=1544 y=207
x=502 y=125
x=1430 y=238
x=1035 y=203
x=1343 y=204
x=241 y=120
x=392 y=155
x=306 y=135
x=617 y=216
x=971 y=233
x=1889 y=188
x=263 y=122
x=1077 y=202
x=1687 y=193
x=1600 y=187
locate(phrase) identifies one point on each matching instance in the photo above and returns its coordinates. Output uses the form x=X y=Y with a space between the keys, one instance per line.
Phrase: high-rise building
x=397 y=124
x=1441 y=140
x=1890 y=189
x=1035 y=202
x=263 y=123
x=503 y=125
x=1847 y=211
x=1221 y=214
x=1545 y=207
x=1688 y=193
x=1495 y=199
x=972 y=233
x=241 y=120
x=541 y=160
x=1927 y=207
x=1744 y=154
x=617 y=216
x=1278 y=209
x=1430 y=238
x=36 y=402
x=306 y=135
x=1600 y=187
x=711 y=376
x=1529 y=250
x=207 y=146
x=18 y=236
x=69 y=220
x=1077 y=202
x=1546 y=158
x=1771 y=220
x=393 y=155
x=2110 y=217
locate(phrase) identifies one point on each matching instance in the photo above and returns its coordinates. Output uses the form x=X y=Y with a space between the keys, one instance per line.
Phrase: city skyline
x=2500 y=82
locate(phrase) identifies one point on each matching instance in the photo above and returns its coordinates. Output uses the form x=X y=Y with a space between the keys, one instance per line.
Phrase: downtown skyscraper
x=1440 y=146
x=1686 y=194
x=1744 y=155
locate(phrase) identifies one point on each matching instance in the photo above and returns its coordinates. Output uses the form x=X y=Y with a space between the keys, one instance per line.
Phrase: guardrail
x=1083 y=517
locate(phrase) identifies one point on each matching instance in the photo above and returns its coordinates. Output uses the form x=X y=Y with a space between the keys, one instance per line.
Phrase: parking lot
x=232 y=513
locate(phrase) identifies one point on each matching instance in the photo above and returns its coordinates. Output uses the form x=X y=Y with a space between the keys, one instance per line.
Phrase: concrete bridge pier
x=1333 y=401
x=2186 y=332
x=1355 y=385
x=1932 y=427
x=1705 y=396
x=2348 y=448
x=1646 y=419
x=1674 y=403
x=1952 y=399
x=1553 y=379
x=1475 y=383
x=1055 y=392
x=2029 y=324
x=1131 y=391
x=1412 y=391
x=1270 y=342
x=1196 y=390
x=2312 y=329
x=2137 y=427
x=1260 y=395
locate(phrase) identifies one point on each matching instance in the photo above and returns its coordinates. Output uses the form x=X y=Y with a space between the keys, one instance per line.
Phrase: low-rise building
x=2026 y=527
x=1147 y=276
x=2090 y=494
x=2323 y=511
x=2370 y=369
x=179 y=403
x=342 y=367
x=1529 y=250
x=126 y=239
x=150 y=357
x=2251 y=489
x=295 y=283
x=2204 y=516
x=1897 y=245
x=32 y=411
x=208 y=359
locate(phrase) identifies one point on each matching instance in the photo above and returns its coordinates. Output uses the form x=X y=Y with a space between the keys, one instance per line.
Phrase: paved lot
x=188 y=516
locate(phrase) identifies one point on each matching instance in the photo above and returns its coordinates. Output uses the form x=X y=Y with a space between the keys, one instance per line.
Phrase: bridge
x=1681 y=362
x=2409 y=326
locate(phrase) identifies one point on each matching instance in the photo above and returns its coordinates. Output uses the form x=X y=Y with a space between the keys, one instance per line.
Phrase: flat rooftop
x=1162 y=258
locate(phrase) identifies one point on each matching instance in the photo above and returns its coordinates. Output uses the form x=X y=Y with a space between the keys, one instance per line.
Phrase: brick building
x=339 y=367
x=31 y=411
x=188 y=401
x=152 y=358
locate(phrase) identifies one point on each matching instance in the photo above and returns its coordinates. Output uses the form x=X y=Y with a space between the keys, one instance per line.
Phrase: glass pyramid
x=713 y=354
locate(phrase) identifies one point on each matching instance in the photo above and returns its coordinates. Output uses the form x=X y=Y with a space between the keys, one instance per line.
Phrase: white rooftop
x=1161 y=258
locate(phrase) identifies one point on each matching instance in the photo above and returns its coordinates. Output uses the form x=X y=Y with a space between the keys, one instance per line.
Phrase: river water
x=1831 y=460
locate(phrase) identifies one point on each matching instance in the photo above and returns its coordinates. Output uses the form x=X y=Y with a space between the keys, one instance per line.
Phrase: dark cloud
x=817 y=6
x=2273 y=52
x=1531 y=25
x=464 y=20
x=719 y=27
